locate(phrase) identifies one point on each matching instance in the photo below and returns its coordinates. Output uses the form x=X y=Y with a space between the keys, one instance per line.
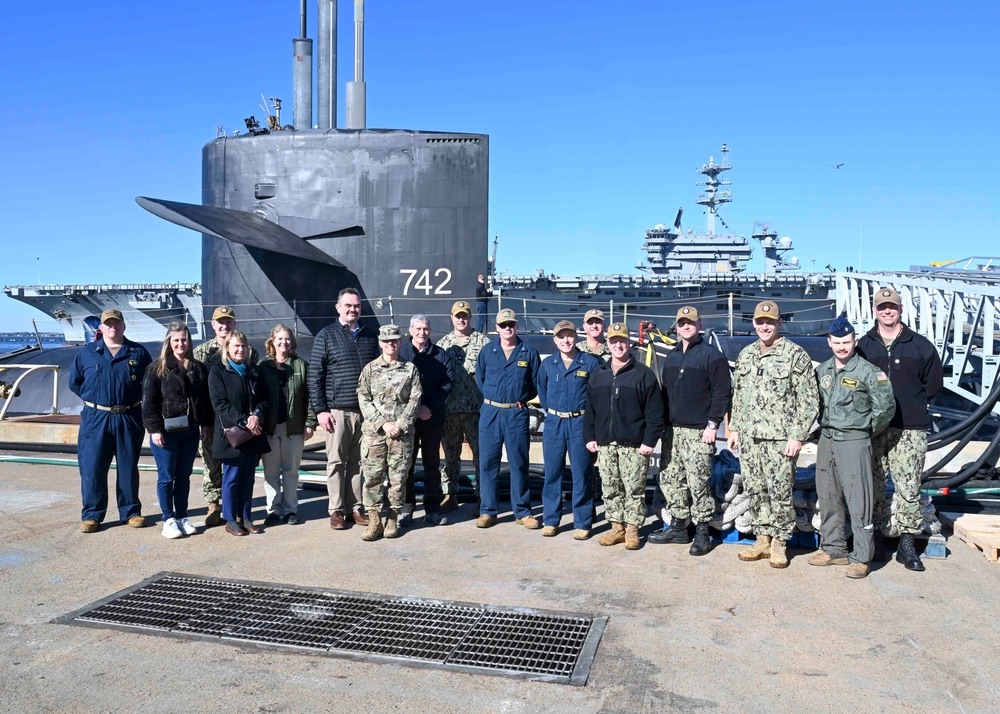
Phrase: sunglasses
x=507 y=325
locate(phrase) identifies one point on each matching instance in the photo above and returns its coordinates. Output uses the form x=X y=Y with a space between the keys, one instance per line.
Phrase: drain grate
x=516 y=642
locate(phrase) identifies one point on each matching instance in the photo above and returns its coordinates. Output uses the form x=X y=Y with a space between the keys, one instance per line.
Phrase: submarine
x=292 y=214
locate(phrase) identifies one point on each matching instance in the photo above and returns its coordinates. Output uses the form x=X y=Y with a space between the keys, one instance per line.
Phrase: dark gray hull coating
x=397 y=201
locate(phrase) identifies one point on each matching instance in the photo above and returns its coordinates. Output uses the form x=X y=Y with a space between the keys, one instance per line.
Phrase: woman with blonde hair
x=288 y=424
x=239 y=438
x=175 y=403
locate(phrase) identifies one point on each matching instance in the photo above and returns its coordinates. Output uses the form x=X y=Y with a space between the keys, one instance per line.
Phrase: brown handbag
x=237 y=435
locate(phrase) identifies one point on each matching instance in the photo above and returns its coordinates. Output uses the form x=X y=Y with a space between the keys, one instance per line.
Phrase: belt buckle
x=120 y=409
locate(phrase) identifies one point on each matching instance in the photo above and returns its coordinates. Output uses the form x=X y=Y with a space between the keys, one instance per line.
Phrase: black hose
x=934 y=441
x=945 y=460
x=970 y=471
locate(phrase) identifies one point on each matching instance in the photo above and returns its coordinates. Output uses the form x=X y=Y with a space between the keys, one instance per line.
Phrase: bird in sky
x=837 y=166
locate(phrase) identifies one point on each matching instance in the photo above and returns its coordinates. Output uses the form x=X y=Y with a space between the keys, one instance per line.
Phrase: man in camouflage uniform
x=622 y=422
x=208 y=352
x=857 y=402
x=697 y=384
x=915 y=372
x=389 y=396
x=463 y=345
x=595 y=344
x=775 y=401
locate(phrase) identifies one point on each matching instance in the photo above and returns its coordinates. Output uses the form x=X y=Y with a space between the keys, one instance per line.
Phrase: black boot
x=879 y=554
x=676 y=533
x=907 y=554
x=702 y=542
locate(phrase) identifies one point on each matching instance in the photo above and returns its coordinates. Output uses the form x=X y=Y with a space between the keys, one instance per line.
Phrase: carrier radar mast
x=713 y=197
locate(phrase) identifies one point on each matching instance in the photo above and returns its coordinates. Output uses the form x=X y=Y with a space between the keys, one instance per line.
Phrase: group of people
x=381 y=400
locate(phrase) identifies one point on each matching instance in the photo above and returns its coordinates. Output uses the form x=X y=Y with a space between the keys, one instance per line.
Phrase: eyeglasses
x=507 y=325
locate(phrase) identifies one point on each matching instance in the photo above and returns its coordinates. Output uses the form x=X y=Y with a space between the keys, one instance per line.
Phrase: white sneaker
x=187 y=527
x=171 y=529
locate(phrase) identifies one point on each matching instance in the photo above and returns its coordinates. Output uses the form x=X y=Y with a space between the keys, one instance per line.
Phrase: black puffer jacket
x=176 y=393
x=335 y=366
x=234 y=398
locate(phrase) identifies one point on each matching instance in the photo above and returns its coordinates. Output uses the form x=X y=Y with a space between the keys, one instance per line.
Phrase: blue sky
x=598 y=114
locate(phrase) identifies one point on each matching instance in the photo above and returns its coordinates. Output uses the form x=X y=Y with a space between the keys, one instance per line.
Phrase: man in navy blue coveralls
x=107 y=376
x=505 y=372
x=562 y=391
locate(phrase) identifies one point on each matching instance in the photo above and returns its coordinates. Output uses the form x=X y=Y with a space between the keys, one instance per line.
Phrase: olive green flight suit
x=857 y=402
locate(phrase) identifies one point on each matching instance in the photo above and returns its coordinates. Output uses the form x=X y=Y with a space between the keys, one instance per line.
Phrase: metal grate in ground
x=516 y=642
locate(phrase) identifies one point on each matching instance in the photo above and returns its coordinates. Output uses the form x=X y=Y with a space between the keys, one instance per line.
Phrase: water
x=6 y=346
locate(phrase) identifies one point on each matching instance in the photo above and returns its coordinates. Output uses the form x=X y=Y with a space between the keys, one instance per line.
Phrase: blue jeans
x=173 y=471
x=237 y=486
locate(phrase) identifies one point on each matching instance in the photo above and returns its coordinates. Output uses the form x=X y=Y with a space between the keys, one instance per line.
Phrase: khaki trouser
x=281 y=471
x=343 y=462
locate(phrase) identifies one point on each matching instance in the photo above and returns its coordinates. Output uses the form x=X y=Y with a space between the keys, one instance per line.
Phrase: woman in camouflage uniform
x=389 y=396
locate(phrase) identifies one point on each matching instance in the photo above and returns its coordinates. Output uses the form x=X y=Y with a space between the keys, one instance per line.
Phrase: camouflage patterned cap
x=594 y=315
x=506 y=315
x=112 y=314
x=388 y=333
x=687 y=313
x=223 y=312
x=564 y=325
x=618 y=329
x=884 y=295
x=460 y=307
x=767 y=310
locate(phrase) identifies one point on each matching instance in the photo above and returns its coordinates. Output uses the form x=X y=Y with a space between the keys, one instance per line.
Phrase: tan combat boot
x=760 y=549
x=632 y=537
x=614 y=536
x=858 y=570
x=392 y=524
x=374 y=530
x=214 y=515
x=821 y=557
x=778 y=557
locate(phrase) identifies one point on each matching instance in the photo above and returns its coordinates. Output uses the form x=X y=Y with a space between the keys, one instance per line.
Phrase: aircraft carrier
x=685 y=267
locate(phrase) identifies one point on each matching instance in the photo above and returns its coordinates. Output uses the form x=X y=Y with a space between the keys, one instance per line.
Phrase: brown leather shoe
x=136 y=522
x=337 y=522
x=233 y=528
x=251 y=528
x=360 y=518
x=90 y=527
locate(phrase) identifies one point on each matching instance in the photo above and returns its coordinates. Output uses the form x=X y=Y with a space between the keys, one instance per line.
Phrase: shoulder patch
x=882 y=376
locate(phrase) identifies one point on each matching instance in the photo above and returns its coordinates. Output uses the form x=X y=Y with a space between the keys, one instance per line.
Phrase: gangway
x=959 y=316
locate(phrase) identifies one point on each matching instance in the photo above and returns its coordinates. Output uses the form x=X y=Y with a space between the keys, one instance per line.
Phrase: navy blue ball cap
x=841 y=327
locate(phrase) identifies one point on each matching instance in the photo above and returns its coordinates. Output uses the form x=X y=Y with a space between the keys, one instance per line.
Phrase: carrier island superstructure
x=685 y=267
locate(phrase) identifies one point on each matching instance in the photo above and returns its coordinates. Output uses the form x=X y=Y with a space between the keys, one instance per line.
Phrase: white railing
x=30 y=369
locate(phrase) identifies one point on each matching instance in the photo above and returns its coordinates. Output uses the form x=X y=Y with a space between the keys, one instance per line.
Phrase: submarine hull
x=401 y=214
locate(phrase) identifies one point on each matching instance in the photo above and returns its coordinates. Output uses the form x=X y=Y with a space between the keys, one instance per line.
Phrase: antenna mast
x=713 y=197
